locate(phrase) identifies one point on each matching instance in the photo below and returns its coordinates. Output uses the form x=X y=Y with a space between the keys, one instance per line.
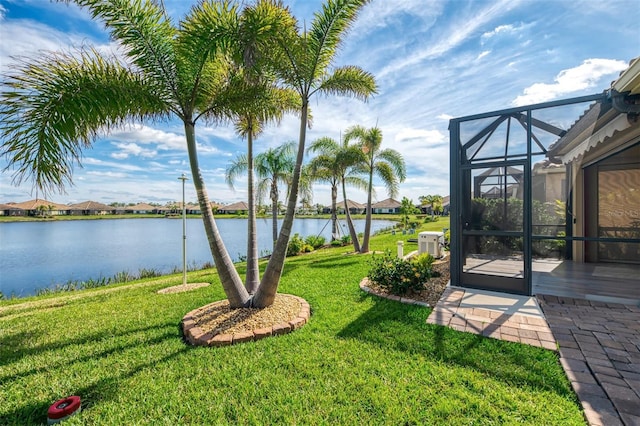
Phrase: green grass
x=360 y=360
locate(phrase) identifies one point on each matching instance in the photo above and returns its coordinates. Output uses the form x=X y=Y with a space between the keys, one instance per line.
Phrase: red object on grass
x=63 y=407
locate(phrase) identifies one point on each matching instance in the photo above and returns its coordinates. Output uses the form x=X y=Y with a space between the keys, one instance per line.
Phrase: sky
x=433 y=60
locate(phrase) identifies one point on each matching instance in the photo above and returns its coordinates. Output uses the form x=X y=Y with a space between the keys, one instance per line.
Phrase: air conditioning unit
x=430 y=242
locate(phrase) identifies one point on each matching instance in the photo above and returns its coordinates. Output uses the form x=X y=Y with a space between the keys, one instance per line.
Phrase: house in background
x=354 y=207
x=11 y=210
x=388 y=206
x=90 y=208
x=562 y=213
x=141 y=208
x=39 y=207
x=240 y=207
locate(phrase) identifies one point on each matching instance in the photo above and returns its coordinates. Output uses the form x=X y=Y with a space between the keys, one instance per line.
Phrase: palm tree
x=308 y=56
x=56 y=106
x=273 y=167
x=249 y=124
x=332 y=165
x=435 y=201
x=387 y=164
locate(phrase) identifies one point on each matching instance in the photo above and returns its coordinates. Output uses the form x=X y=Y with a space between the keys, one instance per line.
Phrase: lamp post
x=183 y=178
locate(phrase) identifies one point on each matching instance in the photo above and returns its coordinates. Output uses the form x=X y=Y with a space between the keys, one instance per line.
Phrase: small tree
x=407 y=208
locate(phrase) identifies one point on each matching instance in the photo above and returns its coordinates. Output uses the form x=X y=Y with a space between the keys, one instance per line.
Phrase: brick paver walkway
x=600 y=352
x=526 y=329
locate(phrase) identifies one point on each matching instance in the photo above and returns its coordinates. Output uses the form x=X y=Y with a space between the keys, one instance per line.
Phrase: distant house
x=141 y=208
x=90 y=208
x=240 y=207
x=387 y=206
x=354 y=207
x=42 y=208
x=11 y=210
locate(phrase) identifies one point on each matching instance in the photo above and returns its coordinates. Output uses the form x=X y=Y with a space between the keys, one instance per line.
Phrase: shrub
x=336 y=243
x=346 y=240
x=315 y=241
x=296 y=245
x=398 y=276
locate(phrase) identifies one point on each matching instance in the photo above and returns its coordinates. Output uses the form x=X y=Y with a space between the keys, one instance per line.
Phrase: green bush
x=398 y=276
x=336 y=243
x=315 y=241
x=296 y=244
x=346 y=240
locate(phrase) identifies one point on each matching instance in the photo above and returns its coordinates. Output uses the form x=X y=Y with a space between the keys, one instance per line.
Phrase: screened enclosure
x=537 y=186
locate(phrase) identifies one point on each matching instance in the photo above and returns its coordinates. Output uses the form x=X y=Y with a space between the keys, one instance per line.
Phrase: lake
x=41 y=254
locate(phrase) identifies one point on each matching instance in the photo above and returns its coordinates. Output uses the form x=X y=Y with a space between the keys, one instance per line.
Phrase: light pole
x=183 y=178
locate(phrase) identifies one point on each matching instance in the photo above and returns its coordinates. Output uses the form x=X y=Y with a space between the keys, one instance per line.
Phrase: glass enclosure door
x=493 y=242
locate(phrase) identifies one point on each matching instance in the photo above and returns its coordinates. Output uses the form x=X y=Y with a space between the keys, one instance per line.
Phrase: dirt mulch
x=218 y=318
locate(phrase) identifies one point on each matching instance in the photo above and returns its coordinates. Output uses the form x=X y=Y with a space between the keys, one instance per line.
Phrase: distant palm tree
x=387 y=164
x=273 y=167
x=332 y=165
x=434 y=201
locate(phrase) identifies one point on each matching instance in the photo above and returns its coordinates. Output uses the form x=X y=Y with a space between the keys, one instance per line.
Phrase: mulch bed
x=432 y=289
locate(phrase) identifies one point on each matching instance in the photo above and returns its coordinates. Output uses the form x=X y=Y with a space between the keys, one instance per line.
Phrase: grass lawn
x=359 y=360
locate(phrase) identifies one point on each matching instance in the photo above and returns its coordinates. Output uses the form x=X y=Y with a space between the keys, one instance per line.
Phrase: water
x=41 y=254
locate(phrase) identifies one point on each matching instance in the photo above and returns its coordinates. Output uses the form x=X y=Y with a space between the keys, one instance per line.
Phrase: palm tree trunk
x=253 y=273
x=266 y=293
x=352 y=229
x=229 y=277
x=334 y=212
x=274 y=211
x=367 y=223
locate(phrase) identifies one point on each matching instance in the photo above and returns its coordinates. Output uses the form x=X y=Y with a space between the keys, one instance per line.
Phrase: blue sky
x=433 y=60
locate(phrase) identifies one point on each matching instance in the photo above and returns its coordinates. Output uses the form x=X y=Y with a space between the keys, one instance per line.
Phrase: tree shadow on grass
x=63 y=363
x=15 y=346
x=104 y=389
x=400 y=327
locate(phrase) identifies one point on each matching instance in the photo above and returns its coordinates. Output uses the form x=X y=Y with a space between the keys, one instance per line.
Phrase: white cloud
x=452 y=36
x=483 y=54
x=3 y=12
x=110 y=175
x=585 y=76
x=497 y=30
x=127 y=149
x=446 y=117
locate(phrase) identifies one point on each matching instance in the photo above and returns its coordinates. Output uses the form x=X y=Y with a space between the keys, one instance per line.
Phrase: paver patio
x=598 y=343
x=600 y=352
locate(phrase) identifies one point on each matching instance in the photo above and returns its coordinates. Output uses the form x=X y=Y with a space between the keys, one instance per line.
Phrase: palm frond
x=148 y=37
x=385 y=172
x=54 y=107
x=327 y=31
x=237 y=167
x=349 y=81
x=395 y=160
x=324 y=145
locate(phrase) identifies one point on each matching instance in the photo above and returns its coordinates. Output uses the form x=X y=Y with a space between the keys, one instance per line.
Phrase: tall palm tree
x=274 y=167
x=56 y=106
x=387 y=164
x=308 y=56
x=332 y=165
x=272 y=103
